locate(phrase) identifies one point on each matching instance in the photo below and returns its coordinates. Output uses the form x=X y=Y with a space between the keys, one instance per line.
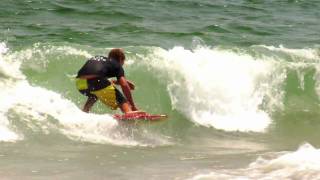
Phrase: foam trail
x=70 y=120
x=76 y=124
x=220 y=88
x=5 y=133
x=302 y=164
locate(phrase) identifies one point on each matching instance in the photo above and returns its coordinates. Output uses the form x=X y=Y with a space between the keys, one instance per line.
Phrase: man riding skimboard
x=93 y=81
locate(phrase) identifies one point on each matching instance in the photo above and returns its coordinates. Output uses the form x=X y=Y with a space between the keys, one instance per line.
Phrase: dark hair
x=116 y=54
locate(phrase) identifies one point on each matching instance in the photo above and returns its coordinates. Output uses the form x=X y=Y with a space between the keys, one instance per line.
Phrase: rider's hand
x=131 y=85
x=134 y=108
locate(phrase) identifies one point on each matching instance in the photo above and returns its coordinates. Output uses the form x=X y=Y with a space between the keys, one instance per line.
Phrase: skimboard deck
x=140 y=116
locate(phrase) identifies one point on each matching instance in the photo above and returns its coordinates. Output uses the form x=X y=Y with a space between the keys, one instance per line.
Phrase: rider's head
x=118 y=55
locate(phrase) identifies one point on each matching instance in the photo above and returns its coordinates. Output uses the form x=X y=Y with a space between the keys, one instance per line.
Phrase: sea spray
x=221 y=88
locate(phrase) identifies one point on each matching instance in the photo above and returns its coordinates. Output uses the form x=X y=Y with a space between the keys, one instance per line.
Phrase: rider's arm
x=131 y=85
x=126 y=91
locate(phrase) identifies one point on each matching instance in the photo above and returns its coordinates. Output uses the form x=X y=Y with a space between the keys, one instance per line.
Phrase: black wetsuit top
x=104 y=68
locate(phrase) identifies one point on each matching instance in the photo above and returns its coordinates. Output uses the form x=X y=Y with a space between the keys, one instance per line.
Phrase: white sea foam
x=5 y=133
x=220 y=88
x=306 y=53
x=3 y=48
x=303 y=164
x=8 y=67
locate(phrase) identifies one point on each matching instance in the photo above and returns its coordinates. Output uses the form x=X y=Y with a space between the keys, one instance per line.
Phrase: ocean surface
x=239 y=80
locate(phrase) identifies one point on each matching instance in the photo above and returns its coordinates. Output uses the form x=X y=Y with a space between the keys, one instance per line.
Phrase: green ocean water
x=240 y=81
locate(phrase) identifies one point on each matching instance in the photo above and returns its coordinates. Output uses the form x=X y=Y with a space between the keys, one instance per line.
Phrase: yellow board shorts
x=102 y=90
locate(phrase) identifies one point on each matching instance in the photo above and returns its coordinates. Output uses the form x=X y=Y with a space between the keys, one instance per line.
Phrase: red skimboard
x=140 y=116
